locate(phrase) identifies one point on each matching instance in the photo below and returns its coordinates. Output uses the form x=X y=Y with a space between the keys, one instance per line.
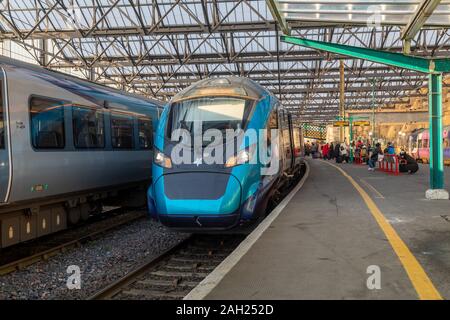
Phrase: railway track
x=23 y=255
x=174 y=273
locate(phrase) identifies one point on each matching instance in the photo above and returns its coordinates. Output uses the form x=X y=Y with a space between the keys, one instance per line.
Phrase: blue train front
x=209 y=173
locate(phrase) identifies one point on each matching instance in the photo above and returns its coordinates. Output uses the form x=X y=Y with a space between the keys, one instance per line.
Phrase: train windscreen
x=220 y=113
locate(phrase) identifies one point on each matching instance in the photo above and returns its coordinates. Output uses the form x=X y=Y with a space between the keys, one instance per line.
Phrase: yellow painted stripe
x=420 y=280
x=371 y=187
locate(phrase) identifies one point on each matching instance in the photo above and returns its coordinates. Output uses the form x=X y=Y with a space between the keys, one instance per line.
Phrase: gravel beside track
x=101 y=262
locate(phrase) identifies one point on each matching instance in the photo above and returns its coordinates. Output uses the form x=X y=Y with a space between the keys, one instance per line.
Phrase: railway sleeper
x=209 y=251
x=176 y=274
x=153 y=295
x=189 y=268
x=204 y=256
x=167 y=285
x=190 y=260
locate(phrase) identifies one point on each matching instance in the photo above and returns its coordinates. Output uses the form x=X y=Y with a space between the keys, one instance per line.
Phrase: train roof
x=239 y=87
x=5 y=61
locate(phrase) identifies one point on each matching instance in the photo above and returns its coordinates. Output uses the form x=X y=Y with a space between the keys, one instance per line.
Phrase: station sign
x=361 y=123
x=341 y=123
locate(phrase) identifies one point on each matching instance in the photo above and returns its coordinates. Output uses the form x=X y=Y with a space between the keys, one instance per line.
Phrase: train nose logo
x=198 y=161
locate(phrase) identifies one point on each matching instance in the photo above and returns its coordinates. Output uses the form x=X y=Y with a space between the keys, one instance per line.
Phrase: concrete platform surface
x=327 y=242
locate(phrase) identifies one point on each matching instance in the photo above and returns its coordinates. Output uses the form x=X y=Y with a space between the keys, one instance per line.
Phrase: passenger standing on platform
x=344 y=153
x=388 y=147
x=353 y=146
x=374 y=157
x=363 y=152
x=391 y=149
x=331 y=151
x=307 y=149
x=337 y=152
x=325 y=149
x=359 y=144
x=314 y=150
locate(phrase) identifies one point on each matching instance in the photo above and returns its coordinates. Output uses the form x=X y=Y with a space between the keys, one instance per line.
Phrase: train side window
x=47 y=123
x=2 y=124
x=297 y=141
x=88 y=128
x=145 y=133
x=273 y=120
x=122 y=131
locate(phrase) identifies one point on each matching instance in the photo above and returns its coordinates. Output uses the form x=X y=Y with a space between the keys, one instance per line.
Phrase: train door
x=291 y=140
x=4 y=151
x=286 y=140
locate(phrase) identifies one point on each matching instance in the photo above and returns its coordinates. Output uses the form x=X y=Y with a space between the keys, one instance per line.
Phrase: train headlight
x=243 y=156
x=162 y=160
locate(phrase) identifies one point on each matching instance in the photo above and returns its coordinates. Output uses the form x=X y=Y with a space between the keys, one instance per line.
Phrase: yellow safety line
x=420 y=280
x=368 y=185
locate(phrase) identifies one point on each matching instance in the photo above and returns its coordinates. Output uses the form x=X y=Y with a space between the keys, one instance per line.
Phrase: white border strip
x=213 y=279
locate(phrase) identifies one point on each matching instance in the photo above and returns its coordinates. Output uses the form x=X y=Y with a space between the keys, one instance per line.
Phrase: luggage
x=339 y=159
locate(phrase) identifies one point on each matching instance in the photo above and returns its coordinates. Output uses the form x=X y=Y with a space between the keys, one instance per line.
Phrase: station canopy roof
x=362 y=12
x=158 y=47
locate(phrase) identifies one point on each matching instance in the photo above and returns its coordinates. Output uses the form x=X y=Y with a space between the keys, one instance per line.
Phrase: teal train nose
x=199 y=199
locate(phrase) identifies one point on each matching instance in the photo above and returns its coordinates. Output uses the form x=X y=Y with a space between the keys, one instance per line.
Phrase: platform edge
x=213 y=279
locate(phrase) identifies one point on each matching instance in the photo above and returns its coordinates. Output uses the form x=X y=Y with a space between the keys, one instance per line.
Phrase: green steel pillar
x=373 y=114
x=436 y=151
x=351 y=138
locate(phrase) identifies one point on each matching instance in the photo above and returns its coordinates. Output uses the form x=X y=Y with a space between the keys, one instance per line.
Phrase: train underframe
x=28 y=220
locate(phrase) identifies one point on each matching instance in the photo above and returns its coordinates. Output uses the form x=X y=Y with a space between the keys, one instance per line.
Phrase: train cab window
x=47 y=123
x=122 y=131
x=219 y=113
x=2 y=124
x=145 y=133
x=88 y=128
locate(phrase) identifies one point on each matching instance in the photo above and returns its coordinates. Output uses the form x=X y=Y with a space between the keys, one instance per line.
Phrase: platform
x=322 y=243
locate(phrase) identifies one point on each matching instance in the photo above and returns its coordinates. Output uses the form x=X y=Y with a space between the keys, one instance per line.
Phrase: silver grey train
x=67 y=147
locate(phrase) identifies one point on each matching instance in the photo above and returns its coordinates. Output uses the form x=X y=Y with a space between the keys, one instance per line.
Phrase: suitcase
x=339 y=159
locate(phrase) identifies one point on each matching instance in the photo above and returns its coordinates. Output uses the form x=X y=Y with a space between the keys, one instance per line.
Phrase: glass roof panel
x=363 y=12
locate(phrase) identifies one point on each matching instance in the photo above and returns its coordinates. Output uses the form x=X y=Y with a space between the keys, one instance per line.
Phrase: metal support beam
x=278 y=16
x=433 y=67
x=383 y=57
x=423 y=12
